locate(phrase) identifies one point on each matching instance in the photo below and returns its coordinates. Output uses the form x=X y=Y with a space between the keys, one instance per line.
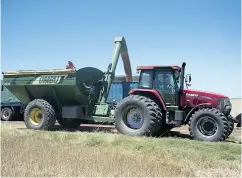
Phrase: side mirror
x=188 y=78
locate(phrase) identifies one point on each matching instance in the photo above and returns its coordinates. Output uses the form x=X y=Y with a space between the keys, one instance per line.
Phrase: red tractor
x=161 y=103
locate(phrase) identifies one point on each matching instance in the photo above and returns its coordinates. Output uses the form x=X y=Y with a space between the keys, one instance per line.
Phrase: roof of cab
x=153 y=67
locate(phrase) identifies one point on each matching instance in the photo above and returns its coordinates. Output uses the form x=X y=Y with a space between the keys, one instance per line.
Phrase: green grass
x=41 y=153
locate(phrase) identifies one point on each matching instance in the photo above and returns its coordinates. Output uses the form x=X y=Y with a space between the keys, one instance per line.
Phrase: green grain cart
x=68 y=96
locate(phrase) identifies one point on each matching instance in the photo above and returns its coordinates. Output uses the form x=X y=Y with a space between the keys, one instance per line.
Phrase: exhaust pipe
x=182 y=77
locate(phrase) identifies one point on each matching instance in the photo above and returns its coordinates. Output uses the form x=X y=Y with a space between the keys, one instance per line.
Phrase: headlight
x=225 y=106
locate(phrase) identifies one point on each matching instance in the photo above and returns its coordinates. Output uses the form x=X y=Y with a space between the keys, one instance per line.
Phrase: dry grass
x=36 y=153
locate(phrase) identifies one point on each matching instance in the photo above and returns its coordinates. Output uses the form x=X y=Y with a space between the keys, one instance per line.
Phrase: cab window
x=146 y=79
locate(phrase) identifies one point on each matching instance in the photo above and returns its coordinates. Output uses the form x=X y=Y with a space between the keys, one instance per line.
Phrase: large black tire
x=69 y=123
x=149 y=111
x=231 y=128
x=48 y=116
x=6 y=114
x=214 y=115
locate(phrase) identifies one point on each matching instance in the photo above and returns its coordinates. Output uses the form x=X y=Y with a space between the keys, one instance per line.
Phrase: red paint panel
x=192 y=98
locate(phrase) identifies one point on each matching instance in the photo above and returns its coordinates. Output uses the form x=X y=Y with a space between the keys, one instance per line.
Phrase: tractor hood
x=219 y=101
x=204 y=94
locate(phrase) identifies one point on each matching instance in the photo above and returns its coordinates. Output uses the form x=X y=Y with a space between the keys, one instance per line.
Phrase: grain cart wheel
x=69 y=123
x=138 y=116
x=208 y=125
x=6 y=114
x=39 y=115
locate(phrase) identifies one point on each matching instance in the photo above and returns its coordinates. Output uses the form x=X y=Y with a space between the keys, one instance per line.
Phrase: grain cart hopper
x=70 y=97
x=160 y=102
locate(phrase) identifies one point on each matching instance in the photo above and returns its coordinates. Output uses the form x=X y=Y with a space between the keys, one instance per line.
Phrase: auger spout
x=119 y=48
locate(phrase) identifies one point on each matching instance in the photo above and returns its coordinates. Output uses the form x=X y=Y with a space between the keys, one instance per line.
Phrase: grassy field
x=37 y=153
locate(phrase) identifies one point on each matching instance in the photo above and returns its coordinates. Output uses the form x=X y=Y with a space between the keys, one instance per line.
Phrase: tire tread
x=215 y=111
x=50 y=117
x=153 y=109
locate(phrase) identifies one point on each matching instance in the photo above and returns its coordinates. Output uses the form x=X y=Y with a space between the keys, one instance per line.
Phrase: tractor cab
x=166 y=80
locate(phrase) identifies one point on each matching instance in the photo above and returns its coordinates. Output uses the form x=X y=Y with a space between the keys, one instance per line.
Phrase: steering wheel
x=171 y=87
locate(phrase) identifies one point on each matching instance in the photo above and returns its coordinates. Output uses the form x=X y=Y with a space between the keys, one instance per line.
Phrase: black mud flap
x=238 y=119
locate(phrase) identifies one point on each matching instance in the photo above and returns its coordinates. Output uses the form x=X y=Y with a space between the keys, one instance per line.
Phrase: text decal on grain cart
x=49 y=79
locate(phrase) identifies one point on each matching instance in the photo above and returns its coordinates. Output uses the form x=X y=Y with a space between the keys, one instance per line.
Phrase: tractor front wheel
x=138 y=116
x=208 y=125
x=39 y=115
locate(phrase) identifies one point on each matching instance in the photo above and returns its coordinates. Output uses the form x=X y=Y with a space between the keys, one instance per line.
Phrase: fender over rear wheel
x=39 y=115
x=138 y=116
x=208 y=125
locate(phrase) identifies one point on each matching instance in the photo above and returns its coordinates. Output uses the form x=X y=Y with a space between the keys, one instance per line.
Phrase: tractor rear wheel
x=138 y=116
x=208 y=125
x=39 y=115
x=69 y=123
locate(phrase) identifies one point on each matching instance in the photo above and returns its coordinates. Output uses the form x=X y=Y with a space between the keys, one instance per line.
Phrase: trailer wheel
x=208 y=125
x=69 y=123
x=138 y=116
x=6 y=114
x=39 y=115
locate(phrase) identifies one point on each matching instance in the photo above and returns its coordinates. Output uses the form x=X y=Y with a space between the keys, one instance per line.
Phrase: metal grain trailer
x=120 y=90
x=11 y=106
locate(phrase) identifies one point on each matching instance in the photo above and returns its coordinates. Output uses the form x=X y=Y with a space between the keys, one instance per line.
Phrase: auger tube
x=119 y=48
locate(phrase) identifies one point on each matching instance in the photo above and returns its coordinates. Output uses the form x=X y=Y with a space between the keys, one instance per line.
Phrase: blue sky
x=45 y=34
